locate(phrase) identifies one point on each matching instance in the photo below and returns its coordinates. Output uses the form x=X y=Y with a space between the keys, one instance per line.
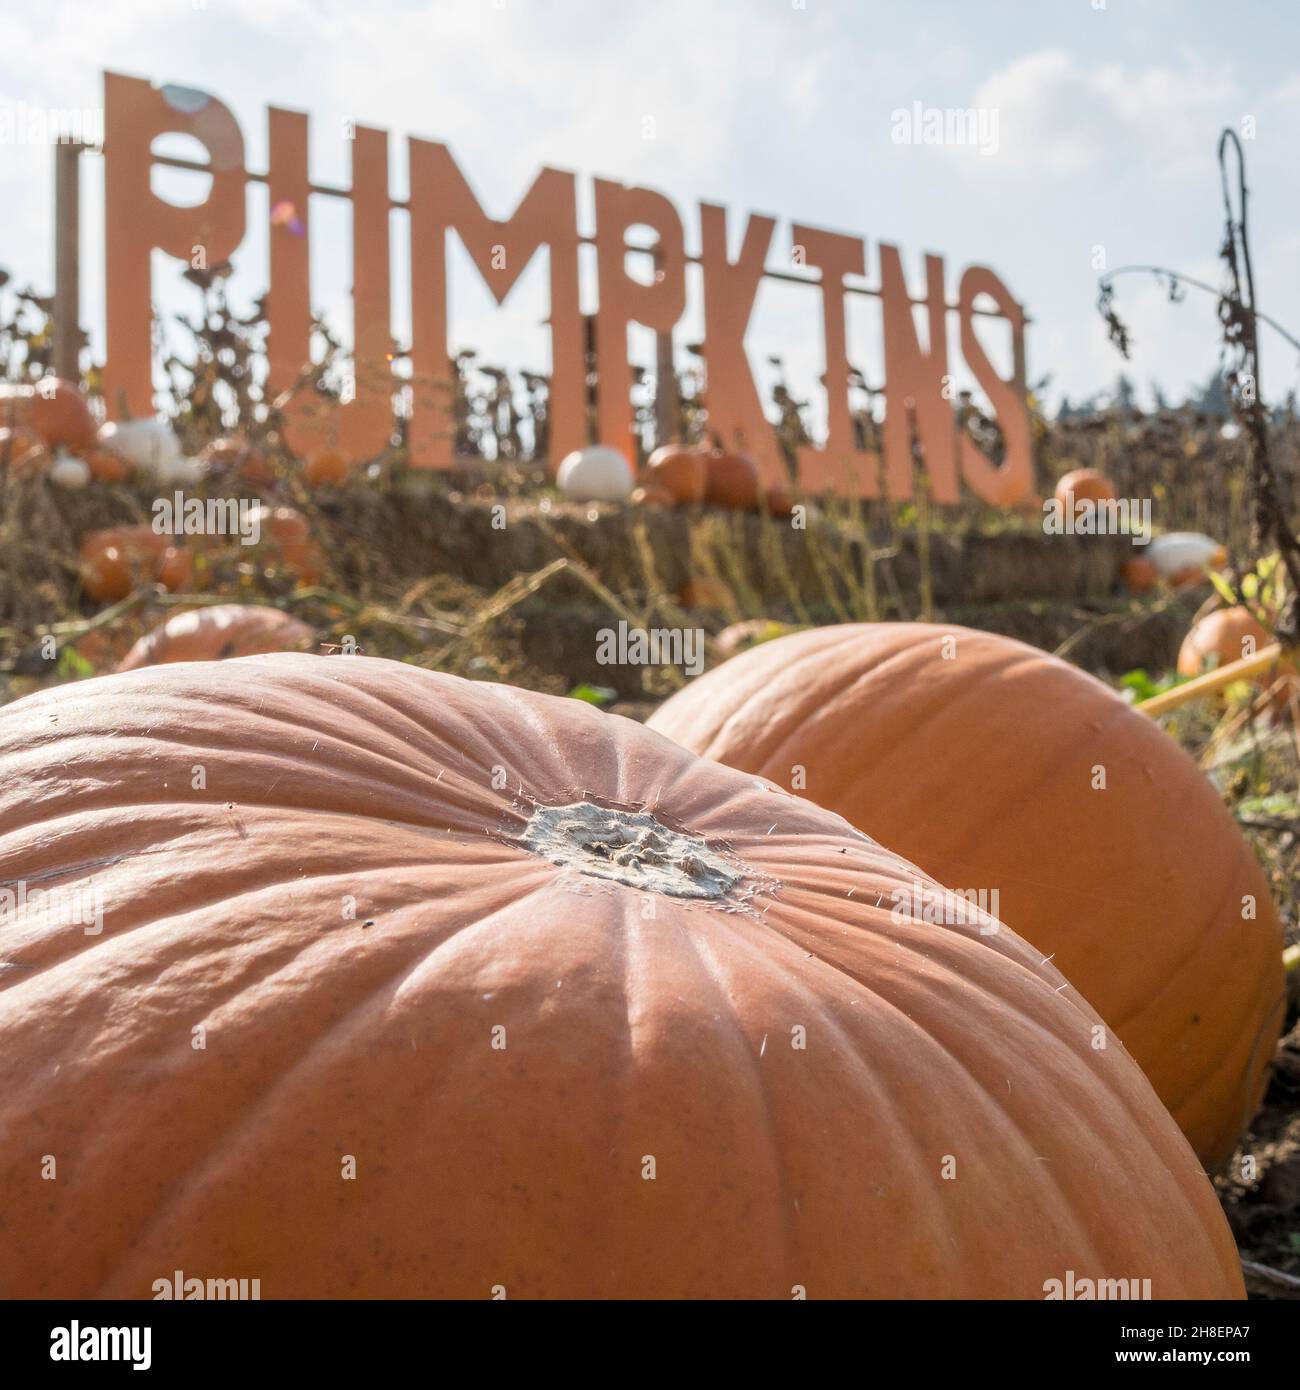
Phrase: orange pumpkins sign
x=918 y=388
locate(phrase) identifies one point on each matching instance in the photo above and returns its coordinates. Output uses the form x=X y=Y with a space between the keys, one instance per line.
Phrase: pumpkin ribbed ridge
x=978 y=768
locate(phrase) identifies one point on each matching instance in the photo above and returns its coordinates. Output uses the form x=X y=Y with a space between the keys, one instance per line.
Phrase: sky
x=1100 y=120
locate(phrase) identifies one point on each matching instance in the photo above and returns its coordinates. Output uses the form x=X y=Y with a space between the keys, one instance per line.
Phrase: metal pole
x=666 y=426
x=67 y=261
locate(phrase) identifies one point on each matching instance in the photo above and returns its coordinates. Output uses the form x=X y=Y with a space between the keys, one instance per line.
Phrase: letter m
x=441 y=200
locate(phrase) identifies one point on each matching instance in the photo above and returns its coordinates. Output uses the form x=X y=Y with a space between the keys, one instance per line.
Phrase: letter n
x=914 y=382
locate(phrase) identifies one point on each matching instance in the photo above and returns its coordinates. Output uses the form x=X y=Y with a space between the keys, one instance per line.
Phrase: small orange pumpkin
x=114 y=560
x=142 y=538
x=302 y=560
x=217 y=633
x=706 y=591
x=236 y=457
x=107 y=575
x=732 y=480
x=175 y=568
x=328 y=469
x=680 y=471
x=777 y=501
x=106 y=466
x=56 y=409
x=23 y=451
x=1138 y=575
x=1190 y=577
x=1084 y=485
x=652 y=495
x=1227 y=635
x=280 y=525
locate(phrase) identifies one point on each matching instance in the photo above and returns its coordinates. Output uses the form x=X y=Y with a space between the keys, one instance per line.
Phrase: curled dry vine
x=1240 y=318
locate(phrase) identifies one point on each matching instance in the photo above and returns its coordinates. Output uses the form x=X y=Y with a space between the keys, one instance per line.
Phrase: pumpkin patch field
x=405 y=956
x=694 y=775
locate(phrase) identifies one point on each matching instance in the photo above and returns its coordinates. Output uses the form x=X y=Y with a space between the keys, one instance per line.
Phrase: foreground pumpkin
x=983 y=760
x=436 y=988
x=217 y=633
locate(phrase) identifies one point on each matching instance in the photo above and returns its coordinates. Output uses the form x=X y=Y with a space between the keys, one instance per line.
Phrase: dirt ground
x=1265 y=1213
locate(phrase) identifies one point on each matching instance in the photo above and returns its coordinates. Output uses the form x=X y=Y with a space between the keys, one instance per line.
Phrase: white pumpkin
x=150 y=443
x=68 y=471
x=596 y=474
x=1183 y=555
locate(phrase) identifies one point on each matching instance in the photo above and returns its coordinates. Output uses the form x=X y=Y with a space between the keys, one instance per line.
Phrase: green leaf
x=1144 y=687
x=1280 y=804
x=1141 y=684
x=599 y=695
x=1224 y=589
x=73 y=666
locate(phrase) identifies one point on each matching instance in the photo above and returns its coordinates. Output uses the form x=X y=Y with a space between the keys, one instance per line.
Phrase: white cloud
x=1059 y=117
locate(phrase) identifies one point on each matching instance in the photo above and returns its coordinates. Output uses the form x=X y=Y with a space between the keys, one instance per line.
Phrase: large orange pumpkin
x=217 y=633
x=995 y=766
x=431 y=988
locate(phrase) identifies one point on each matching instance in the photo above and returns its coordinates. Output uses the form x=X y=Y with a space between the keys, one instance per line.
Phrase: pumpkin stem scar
x=629 y=847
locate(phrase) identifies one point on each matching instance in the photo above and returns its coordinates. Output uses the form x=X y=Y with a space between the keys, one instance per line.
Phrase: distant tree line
x=1210 y=398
